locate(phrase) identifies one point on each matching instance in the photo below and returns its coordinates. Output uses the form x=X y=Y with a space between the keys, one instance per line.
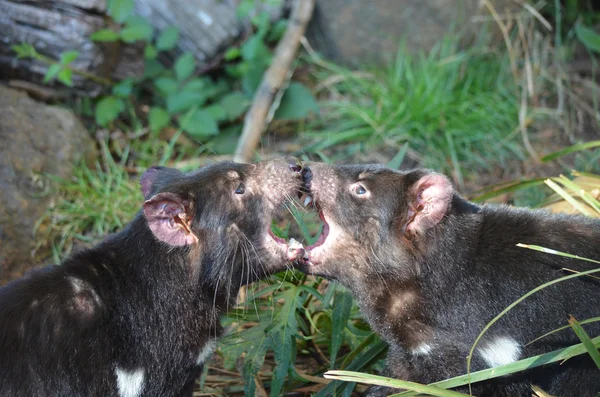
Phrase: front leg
x=188 y=388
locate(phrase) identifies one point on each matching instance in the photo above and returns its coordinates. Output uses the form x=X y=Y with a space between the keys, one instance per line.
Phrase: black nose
x=306 y=176
x=294 y=164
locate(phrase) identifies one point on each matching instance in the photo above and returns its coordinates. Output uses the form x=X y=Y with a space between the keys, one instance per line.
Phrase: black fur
x=136 y=303
x=422 y=281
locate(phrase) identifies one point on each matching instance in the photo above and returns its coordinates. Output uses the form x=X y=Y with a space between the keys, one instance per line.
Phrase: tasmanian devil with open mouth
x=430 y=269
x=138 y=314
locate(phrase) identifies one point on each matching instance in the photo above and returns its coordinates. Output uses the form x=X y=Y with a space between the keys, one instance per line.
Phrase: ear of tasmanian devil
x=429 y=200
x=169 y=218
x=151 y=179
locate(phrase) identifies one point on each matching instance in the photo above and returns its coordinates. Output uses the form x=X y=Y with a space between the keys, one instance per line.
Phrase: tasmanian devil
x=138 y=314
x=429 y=270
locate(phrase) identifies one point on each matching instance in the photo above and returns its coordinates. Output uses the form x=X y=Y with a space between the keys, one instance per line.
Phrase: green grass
x=89 y=205
x=457 y=109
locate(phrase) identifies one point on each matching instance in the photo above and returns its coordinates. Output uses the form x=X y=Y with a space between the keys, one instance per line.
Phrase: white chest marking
x=501 y=351
x=422 y=350
x=206 y=351
x=130 y=383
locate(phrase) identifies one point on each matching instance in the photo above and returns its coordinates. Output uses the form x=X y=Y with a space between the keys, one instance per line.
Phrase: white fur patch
x=422 y=350
x=130 y=383
x=501 y=351
x=206 y=351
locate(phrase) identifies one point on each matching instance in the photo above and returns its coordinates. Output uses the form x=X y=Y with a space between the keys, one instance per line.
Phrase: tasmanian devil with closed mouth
x=138 y=314
x=430 y=269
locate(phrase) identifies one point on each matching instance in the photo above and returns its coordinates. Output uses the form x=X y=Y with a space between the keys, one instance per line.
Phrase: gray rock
x=35 y=139
x=358 y=31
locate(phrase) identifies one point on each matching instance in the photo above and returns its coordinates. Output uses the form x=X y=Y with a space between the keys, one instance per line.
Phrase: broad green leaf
x=232 y=53
x=104 y=35
x=197 y=85
x=225 y=143
x=68 y=56
x=588 y=37
x=25 y=50
x=123 y=89
x=262 y=22
x=255 y=49
x=252 y=77
x=52 y=72
x=200 y=125
x=152 y=68
x=150 y=52
x=167 y=40
x=245 y=8
x=217 y=112
x=181 y=101
x=166 y=85
x=120 y=10
x=297 y=103
x=184 y=66
x=65 y=77
x=235 y=104
x=158 y=118
x=277 y=31
x=342 y=304
x=108 y=109
x=136 y=28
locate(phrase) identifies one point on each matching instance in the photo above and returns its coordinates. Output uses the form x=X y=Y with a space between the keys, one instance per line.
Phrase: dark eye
x=241 y=189
x=360 y=190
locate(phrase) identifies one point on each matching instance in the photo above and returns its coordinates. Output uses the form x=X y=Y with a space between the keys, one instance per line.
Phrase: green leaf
x=571 y=149
x=585 y=339
x=277 y=30
x=195 y=85
x=396 y=162
x=136 y=28
x=232 y=53
x=167 y=40
x=297 y=103
x=65 y=77
x=255 y=49
x=120 y=10
x=68 y=57
x=235 y=104
x=123 y=89
x=245 y=8
x=252 y=77
x=52 y=72
x=104 y=35
x=262 y=22
x=200 y=125
x=217 y=112
x=150 y=52
x=184 y=66
x=182 y=101
x=588 y=37
x=108 y=109
x=152 y=68
x=25 y=50
x=166 y=85
x=342 y=303
x=158 y=118
x=349 y=376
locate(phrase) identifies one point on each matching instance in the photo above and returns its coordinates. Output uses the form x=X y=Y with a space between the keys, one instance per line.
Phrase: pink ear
x=430 y=197
x=167 y=216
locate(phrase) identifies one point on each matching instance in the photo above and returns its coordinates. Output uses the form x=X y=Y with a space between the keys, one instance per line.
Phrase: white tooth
x=295 y=244
x=307 y=200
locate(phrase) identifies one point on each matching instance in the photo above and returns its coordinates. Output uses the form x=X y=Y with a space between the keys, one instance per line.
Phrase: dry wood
x=258 y=117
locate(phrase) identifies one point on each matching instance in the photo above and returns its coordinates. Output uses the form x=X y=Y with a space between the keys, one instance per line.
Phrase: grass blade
x=349 y=376
x=571 y=149
x=585 y=339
